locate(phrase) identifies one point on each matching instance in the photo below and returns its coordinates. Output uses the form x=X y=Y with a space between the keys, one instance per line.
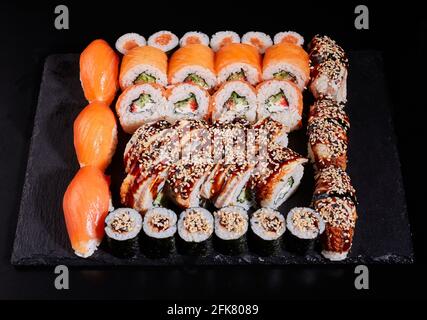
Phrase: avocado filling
x=196 y=79
x=285 y=189
x=142 y=104
x=245 y=196
x=144 y=78
x=236 y=102
x=186 y=106
x=284 y=75
x=240 y=75
x=277 y=102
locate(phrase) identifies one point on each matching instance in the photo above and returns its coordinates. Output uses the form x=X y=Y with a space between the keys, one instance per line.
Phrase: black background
x=27 y=36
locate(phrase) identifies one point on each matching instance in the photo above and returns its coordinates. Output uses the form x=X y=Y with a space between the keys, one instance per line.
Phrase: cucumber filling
x=145 y=78
x=245 y=196
x=285 y=190
x=236 y=102
x=285 y=75
x=277 y=102
x=240 y=75
x=142 y=104
x=186 y=106
x=196 y=79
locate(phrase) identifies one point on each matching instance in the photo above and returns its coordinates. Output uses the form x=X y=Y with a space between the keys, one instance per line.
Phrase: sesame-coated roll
x=323 y=48
x=333 y=182
x=331 y=111
x=304 y=225
x=277 y=176
x=340 y=217
x=231 y=225
x=329 y=79
x=327 y=144
x=271 y=130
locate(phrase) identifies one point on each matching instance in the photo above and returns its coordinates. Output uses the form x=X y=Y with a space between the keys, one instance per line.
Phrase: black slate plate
x=382 y=234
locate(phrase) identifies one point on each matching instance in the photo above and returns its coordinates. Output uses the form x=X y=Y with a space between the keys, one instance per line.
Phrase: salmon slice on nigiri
x=99 y=69
x=86 y=203
x=95 y=135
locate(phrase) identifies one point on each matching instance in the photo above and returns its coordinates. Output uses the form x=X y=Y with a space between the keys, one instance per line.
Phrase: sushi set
x=211 y=149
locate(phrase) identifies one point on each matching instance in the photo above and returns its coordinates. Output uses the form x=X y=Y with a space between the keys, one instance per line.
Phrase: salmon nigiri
x=99 y=69
x=95 y=135
x=86 y=203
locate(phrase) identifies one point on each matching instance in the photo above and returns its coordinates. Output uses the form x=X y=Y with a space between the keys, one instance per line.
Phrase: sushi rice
x=268 y=224
x=222 y=38
x=193 y=37
x=129 y=41
x=289 y=37
x=258 y=39
x=163 y=40
x=231 y=223
x=160 y=223
x=195 y=225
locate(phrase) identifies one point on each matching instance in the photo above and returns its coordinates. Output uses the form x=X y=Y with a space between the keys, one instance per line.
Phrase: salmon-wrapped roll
x=86 y=203
x=234 y=99
x=287 y=61
x=238 y=61
x=163 y=40
x=289 y=37
x=327 y=143
x=143 y=65
x=340 y=217
x=139 y=104
x=95 y=135
x=193 y=63
x=99 y=68
x=186 y=100
x=194 y=37
x=282 y=101
x=277 y=176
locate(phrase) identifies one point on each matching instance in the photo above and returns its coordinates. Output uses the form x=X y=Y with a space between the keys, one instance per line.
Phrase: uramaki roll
x=234 y=99
x=143 y=65
x=193 y=63
x=185 y=101
x=282 y=101
x=287 y=61
x=238 y=61
x=139 y=104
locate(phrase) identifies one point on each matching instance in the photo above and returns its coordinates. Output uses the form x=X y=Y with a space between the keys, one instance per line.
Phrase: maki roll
x=163 y=40
x=282 y=101
x=289 y=37
x=267 y=226
x=223 y=38
x=194 y=37
x=327 y=143
x=340 y=218
x=129 y=41
x=143 y=65
x=195 y=227
x=186 y=100
x=333 y=182
x=159 y=229
x=194 y=64
x=139 y=104
x=277 y=176
x=231 y=225
x=234 y=99
x=122 y=227
x=304 y=226
x=259 y=40
x=287 y=61
x=238 y=61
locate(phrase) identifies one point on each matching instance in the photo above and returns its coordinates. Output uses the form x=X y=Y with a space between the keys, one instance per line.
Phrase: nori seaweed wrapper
x=157 y=248
x=230 y=247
